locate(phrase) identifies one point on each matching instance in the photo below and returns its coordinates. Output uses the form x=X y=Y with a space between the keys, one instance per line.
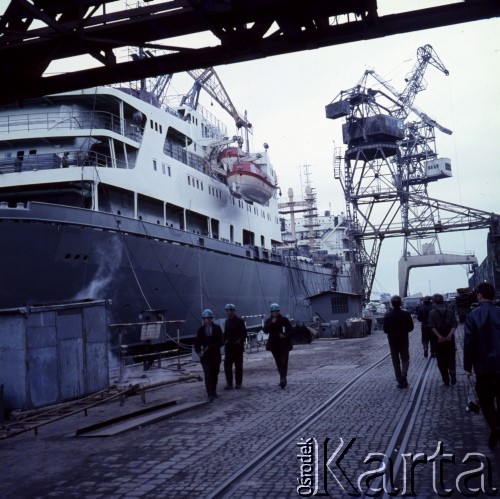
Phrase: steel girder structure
x=385 y=176
x=377 y=211
x=33 y=33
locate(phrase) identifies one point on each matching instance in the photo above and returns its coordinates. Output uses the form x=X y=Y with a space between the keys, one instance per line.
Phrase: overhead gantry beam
x=34 y=33
x=428 y=260
x=449 y=217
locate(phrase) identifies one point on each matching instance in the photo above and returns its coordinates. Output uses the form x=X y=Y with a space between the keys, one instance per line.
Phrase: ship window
x=197 y=184
x=163 y=168
x=189 y=180
x=154 y=165
x=32 y=151
x=201 y=185
x=169 y=172
x=161 y=129
x=151 y=123
x=156 y=126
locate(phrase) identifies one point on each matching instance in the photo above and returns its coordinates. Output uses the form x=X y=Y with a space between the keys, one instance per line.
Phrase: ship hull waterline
x=61 y=254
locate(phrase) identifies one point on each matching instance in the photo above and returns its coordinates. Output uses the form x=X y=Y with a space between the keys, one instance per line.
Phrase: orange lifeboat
x=248 y=181
x=230 y=155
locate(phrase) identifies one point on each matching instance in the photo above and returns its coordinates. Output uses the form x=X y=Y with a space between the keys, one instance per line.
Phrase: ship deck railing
x=70 y=120
x=52 y=161
x=219 y=128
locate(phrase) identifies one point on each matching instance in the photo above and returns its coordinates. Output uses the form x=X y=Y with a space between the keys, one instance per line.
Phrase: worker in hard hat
x=235 y=334
x=208 y=343
x=279 y=342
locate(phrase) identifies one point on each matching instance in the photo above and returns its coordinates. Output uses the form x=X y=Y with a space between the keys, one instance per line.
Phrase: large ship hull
x=59 y=254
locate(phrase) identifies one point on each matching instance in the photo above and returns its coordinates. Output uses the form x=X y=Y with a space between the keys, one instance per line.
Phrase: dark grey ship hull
x=56 y=253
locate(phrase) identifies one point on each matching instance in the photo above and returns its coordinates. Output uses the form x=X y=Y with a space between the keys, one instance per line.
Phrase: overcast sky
x=285 y=97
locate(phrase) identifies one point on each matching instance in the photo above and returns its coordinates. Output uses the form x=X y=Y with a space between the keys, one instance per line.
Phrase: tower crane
x=416 y=149
x=210 y=82
x=385 y=173
x=157 y=86
x=415 y=82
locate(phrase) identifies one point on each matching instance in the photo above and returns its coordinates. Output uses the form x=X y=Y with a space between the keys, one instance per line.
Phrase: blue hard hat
x=230 y=306
x=207 y=313
x=274 y=307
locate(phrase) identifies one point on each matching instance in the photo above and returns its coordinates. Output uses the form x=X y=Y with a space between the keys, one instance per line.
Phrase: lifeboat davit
x=248 y=181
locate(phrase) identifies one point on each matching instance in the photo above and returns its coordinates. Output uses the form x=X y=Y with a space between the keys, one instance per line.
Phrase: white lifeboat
x=229 y=156
x=248 y=181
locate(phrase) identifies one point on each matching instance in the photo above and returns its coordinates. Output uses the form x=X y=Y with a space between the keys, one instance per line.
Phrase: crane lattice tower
x=387 y=166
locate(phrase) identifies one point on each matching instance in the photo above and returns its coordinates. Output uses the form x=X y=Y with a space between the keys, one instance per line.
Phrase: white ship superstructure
x=106 y=194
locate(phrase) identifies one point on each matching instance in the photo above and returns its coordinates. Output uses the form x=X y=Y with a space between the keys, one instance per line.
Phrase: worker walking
x=428 y=338
x=443 y=323
x=398 y=324
x=208 y=342
x=235 y=334
x=482 y=354
x=279 y=342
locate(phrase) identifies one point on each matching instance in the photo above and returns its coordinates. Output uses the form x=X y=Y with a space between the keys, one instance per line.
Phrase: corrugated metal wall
x=52 y=354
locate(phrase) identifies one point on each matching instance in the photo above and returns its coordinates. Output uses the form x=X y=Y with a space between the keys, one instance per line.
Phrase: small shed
x=54 y=353
x=333 y=309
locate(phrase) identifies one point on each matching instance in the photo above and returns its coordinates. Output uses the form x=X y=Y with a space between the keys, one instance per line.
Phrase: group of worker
x=481 y=347
x=210 y=338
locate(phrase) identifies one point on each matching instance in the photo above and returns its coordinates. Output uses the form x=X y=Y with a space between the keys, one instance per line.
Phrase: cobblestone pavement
x=191 y=454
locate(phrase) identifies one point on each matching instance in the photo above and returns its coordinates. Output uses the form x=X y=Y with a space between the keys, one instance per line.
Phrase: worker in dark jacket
x=443 y=324
x=279 y=342
x=482 y=354
x=235 y=334
x=428 y=339
x=397 y=324
x=208 y=342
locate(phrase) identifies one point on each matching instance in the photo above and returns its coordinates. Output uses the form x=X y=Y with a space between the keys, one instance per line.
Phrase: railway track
x=34 y=420
x=401 y=432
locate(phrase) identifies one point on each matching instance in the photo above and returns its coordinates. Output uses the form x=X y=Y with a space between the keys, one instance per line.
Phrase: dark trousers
x=281 y=359
x=427 y=339
x=488 y=394
x=211 y=368
x=233 y=355
x=400 y=356
x=445 y=357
